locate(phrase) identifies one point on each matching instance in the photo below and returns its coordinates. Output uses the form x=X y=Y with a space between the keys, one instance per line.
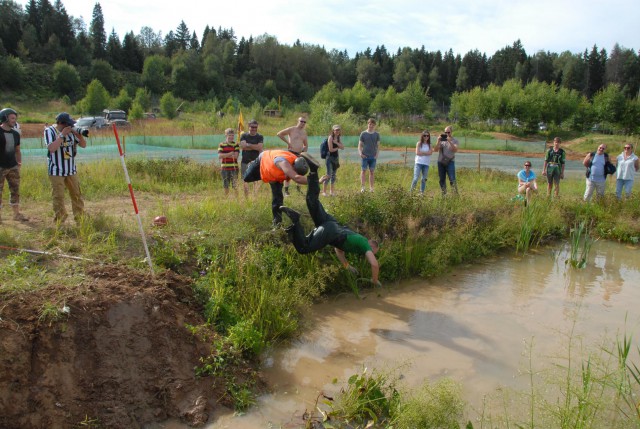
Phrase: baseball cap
x=65 y=118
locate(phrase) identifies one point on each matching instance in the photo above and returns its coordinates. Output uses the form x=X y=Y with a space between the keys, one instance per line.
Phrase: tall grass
x=580 y=245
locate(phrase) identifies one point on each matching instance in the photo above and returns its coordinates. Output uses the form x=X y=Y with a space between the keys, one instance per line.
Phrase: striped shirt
x=228 y=163
x=62 y=162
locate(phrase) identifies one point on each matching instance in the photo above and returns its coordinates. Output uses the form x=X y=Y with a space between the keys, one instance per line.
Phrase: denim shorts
x=368 y=164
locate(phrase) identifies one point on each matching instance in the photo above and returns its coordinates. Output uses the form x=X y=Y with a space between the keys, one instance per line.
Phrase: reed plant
x=580 y=242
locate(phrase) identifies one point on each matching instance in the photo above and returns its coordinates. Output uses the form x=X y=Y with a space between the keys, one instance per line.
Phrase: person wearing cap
x=62 y=141
x=251 y=144
x=334 y=142
x=10 y=161
x=276 y=166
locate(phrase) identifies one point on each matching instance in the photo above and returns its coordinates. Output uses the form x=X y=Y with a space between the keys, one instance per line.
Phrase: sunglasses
x=627 y=147
x=527 y=165
x=303 y=122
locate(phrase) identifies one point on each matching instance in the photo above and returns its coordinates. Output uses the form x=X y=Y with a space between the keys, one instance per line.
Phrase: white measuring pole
x=133 y=198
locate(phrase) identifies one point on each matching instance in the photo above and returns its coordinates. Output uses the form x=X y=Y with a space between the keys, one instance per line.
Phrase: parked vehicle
x=96 y=122
x=110 y=115
x=542 y=126
x=121 y=123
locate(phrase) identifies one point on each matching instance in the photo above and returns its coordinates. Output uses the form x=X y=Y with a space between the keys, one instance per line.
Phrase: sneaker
x=293 y=215
x=362 y=190
x=286 y=192
x=324 y=178
x=313 y=163
x=324 y=194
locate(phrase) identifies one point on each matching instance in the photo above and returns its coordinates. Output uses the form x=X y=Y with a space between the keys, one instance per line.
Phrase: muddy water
x=473 y=325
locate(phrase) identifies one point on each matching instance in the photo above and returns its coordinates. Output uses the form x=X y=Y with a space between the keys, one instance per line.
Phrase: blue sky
x=461 y=25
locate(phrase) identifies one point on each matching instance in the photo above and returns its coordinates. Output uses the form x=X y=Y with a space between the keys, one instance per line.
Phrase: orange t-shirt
x=268 y=169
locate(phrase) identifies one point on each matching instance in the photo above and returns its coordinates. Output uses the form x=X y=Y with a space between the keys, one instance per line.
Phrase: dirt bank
x=112 y=352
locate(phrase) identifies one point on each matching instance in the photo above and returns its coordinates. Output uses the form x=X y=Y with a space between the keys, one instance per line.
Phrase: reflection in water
x=471 y=325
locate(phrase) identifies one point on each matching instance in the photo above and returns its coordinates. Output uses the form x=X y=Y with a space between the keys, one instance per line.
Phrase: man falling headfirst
x=273 y=167
x=328 y=231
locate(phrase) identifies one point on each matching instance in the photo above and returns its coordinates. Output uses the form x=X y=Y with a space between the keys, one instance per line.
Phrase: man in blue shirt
x=596 y=178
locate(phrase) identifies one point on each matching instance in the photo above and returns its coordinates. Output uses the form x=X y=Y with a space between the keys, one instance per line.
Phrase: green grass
x=252 y=283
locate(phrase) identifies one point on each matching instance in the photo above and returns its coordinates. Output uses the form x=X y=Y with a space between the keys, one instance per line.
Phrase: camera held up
x=82 y=131
x=443 y=136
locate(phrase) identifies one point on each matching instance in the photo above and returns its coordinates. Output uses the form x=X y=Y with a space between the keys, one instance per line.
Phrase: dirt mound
x=113 y=351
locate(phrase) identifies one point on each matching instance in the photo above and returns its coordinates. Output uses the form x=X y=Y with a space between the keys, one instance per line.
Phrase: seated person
x=527 y=182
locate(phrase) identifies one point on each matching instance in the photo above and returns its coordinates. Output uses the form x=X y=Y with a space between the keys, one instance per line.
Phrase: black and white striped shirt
x=62 y=162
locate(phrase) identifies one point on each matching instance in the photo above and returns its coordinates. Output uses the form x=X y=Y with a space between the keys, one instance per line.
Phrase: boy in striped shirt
x=228 y=152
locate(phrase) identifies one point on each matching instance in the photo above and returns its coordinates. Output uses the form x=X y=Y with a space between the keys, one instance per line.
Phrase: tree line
x=47 y=53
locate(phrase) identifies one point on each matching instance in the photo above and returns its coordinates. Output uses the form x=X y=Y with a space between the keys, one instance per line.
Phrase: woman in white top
x=626 y=168
x=423 y=157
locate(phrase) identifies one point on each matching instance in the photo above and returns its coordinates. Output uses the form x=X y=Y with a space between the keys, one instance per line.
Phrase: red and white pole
x=133 y=198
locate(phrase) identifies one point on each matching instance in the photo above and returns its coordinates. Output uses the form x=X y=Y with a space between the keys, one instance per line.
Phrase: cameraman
x=447 y=146
x=62 y=140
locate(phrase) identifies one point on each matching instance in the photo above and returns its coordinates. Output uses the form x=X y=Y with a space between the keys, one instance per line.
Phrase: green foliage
x=96 y=100
x=368 y=397
x=12 y=73
x=414 y=99
x=437 y=405
x=143 y=99
x=168 y=105
x=581 y=242
x=66 y=79
x=136 y=111
x=123 y=101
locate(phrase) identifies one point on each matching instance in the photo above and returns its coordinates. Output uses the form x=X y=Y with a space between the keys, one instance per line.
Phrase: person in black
x=327 y=230
x=10 y=160
x=251 y=144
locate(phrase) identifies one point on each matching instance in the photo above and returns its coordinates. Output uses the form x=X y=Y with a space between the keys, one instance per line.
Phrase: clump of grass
x=370 y=396
x=375 y=399
x=580 y=245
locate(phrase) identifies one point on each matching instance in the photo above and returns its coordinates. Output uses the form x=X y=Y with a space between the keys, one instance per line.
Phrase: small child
x=228 y=152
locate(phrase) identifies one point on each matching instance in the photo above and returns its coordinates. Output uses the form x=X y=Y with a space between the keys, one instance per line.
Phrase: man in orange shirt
x=274 y=167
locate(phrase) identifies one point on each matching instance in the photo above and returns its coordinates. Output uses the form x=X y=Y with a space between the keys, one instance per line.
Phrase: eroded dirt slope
x=122 y=356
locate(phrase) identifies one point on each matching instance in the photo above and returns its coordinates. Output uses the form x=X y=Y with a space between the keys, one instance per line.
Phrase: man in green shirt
x=554 y=166
x=328 y=231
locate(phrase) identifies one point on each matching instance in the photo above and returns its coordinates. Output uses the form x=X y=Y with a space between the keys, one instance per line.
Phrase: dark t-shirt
x=9 y=140
x=250 y=155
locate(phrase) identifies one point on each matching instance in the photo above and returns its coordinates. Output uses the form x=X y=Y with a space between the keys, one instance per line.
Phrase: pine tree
x=97 y=34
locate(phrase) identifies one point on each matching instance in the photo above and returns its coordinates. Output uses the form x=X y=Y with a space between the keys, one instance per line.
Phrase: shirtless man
x=297 y=143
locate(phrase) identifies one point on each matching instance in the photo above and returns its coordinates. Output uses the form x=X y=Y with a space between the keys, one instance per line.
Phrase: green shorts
x=553 y=174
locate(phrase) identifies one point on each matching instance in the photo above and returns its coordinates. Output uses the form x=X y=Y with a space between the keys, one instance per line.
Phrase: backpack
x=324 y=148
x=609 y=168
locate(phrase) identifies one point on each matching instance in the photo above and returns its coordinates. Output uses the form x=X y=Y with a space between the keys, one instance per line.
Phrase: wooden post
x=478 y=162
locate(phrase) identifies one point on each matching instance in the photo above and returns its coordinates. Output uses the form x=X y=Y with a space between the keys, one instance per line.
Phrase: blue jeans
x=332 y=165
x=420 y=168
x=626 y=184
x=443 y=172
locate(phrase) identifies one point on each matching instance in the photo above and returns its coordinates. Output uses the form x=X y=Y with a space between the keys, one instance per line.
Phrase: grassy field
x=254 y=287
